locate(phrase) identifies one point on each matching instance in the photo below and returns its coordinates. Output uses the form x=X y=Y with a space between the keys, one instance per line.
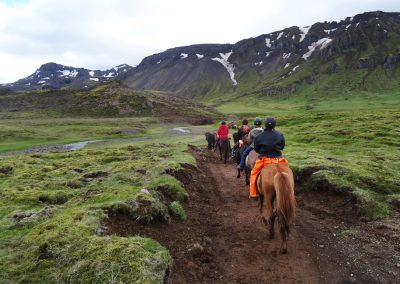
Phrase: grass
x=351 y=142
x=53 y=205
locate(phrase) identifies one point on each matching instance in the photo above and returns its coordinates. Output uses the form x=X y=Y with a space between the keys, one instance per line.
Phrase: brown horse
x=275 y=183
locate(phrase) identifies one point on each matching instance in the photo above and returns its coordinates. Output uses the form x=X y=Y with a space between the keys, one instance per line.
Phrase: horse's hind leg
x=271 y=228
x=247 y=174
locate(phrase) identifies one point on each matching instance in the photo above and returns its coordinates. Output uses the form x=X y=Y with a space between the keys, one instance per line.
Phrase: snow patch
x=46 y=78
x=159 y=61
x=286 y=55
x=184 y=55
x=229 y=67
x=258 y=63
x=321 y=44
x=268 y=42
x=329 y=31
x=357 y=24
x=351 y=19
x=91 y=73
x=304 y=32
x=69 y=73
x=94 y=79
x=279 y=36
x=295 y=68
x=286 y=66
x=109 y=75
x=199 y=56
x=293 y=37
x=41 y=82
x=267 y=53
x=348 y=26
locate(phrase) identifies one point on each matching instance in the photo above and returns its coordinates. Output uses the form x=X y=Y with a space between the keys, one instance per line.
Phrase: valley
x=148 y=203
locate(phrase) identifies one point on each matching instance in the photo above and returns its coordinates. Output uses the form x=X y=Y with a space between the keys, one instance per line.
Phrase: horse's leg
x=238 y=173
x=247 y=175
x=225 y=151
x=260 y=202
x=266 y=213
x=271 y=228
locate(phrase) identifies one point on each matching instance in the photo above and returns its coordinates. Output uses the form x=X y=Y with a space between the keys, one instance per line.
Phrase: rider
x=223 y=131
x=252 y=135
x=244 y=129
x=269 y=144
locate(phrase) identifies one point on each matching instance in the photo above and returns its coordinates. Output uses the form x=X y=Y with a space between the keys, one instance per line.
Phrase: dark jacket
x=269 y=143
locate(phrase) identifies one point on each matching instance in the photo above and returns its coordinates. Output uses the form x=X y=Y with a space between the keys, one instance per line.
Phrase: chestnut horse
x=275 y=183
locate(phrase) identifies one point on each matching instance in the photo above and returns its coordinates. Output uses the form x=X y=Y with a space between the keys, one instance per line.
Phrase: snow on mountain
x=321 y=44
x=304 y=32
x=229 y=67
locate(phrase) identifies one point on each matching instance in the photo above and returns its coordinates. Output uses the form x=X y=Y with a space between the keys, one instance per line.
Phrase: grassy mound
x=53 y=206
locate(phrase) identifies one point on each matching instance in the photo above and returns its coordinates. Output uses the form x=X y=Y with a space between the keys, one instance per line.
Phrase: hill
x=108 y=100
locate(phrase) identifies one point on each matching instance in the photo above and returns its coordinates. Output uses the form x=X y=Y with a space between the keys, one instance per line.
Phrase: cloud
x=101 y=34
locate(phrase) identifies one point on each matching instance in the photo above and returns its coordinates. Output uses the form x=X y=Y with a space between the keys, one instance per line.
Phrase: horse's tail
x=285 y=200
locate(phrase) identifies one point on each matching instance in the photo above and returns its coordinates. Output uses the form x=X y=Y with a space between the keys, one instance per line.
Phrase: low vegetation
x=53 y=206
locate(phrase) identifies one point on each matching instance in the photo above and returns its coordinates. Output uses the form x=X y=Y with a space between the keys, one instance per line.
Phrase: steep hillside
x=358 y=53
x=56 y=76
x=108 y=100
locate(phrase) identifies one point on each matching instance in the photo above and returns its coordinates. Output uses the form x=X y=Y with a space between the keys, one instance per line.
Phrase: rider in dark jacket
x=271 y=142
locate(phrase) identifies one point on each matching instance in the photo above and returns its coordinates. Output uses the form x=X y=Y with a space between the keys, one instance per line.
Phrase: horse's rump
x=251 y=159
x=275 y=182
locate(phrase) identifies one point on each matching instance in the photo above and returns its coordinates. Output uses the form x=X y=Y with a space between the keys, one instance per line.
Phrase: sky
x=100 y=34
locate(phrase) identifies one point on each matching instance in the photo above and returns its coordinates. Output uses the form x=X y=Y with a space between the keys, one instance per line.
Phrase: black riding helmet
x=245 y=122
x=257 y=121
x=270 y=122
x=223 y=122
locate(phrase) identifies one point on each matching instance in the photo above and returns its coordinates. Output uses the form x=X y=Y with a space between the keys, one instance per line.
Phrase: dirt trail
x=224 y=241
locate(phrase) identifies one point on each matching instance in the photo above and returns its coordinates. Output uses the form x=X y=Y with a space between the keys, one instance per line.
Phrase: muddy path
x=224 y=241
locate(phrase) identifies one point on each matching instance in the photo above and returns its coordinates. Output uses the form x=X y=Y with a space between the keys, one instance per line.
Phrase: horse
x=210 y=137
x=250 y=161
x=224 y=146
x=276 y=182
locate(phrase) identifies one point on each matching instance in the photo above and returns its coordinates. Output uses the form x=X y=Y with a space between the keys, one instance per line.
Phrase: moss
x=177 y=210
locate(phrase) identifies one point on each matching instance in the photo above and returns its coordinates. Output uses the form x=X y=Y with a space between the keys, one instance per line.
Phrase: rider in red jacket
x=223 y=131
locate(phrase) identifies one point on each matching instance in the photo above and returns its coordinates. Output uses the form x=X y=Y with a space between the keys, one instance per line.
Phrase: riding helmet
x=257 y=121
x=270 y=122
x=245 y=122
x=223 y=122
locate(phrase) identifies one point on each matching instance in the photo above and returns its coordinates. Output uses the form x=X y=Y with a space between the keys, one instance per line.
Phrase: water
x=78 y=145
x=181 y=129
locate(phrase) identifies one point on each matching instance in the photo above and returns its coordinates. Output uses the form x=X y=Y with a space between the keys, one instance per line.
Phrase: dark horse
x=275 y=183
x=210 y=137
x=224 y=149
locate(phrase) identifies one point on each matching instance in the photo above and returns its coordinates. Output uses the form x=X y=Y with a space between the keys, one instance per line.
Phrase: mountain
x=56 y=76
x=359 y=52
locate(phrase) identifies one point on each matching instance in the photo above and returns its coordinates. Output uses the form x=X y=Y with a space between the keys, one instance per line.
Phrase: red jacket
x=223 y=132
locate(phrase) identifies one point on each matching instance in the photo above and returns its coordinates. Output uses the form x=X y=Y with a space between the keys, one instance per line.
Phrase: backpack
x=245 y=129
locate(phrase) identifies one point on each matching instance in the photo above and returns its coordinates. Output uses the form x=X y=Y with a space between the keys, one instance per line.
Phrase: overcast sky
x=99 y=34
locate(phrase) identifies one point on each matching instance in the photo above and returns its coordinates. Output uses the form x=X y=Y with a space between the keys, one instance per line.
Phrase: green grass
x=53 y=204
x=352 y=142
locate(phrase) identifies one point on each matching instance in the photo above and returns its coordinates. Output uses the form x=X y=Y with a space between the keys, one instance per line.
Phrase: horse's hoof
x=238 y=176
x=283 y=251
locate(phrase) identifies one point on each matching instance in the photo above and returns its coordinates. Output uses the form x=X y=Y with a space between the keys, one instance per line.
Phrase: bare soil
x=224 y=240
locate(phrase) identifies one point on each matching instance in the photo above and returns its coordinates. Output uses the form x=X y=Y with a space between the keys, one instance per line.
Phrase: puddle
x=78 y=145
x=181 y=129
